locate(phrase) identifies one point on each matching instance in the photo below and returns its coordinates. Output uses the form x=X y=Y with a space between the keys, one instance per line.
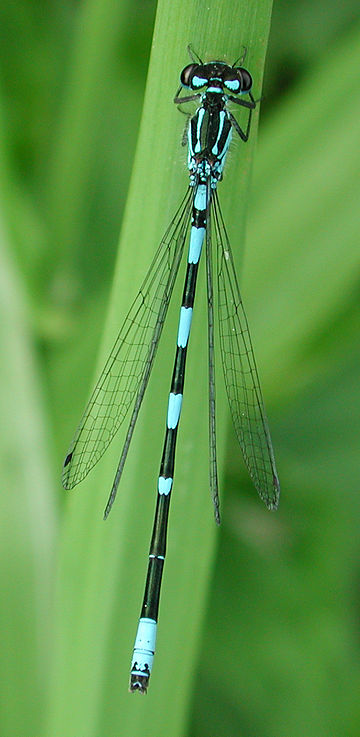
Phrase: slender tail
x=144 y=648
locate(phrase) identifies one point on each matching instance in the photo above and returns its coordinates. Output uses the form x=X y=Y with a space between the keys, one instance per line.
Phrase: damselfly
x=126 y=373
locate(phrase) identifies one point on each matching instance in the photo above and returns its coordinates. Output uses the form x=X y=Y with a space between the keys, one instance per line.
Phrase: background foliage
x=275 y=652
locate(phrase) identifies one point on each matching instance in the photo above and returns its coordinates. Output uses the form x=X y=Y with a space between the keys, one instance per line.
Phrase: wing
x=240 y=372
x=130 y=361
x=214 y=485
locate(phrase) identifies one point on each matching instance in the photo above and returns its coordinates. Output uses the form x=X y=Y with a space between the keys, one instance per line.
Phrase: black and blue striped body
x=209 y=135
x=125 y=376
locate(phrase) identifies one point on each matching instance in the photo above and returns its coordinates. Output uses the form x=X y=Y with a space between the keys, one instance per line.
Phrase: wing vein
x=240 y=372
x=126 y=372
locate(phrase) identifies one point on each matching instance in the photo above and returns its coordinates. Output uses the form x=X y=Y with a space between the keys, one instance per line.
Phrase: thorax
x=209 y=136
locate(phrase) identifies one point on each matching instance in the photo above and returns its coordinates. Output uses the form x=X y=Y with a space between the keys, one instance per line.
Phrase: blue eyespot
x=197 y=82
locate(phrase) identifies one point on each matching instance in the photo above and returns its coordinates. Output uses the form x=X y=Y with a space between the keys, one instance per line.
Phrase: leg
x=189 y=98
x=244 y=135
x=193 y=55
x=245 y=103
x=241 y=59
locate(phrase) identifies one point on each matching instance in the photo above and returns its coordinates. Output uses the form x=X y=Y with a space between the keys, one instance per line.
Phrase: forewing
x=240 y=372
x=132 y=354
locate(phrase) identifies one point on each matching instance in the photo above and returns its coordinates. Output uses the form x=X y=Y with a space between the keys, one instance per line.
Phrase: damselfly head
x=217 y=74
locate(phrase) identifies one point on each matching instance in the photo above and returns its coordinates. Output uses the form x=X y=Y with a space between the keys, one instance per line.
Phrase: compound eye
x=245 y=80
x=187 y=74
x=193 y=76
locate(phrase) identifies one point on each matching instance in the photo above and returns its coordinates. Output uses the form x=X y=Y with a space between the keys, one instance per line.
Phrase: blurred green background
x=277 y=638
